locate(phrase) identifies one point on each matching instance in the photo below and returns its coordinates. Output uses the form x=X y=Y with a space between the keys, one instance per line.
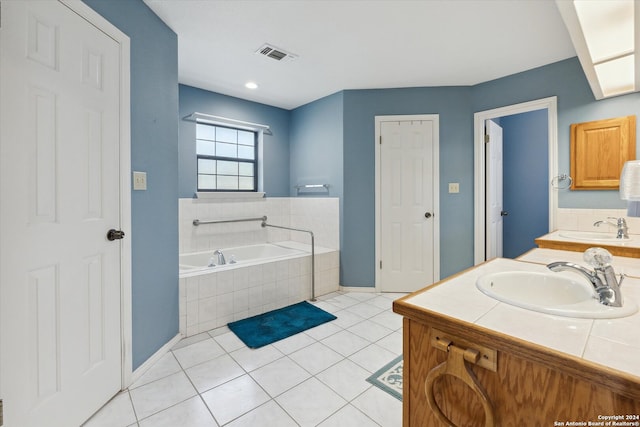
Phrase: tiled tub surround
x=215 y=296
x=239 y=256
x=320 y=215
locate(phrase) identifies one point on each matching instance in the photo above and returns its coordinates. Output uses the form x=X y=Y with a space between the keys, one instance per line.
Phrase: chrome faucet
x=621 y=223
x=220 y=255
x=602 y=278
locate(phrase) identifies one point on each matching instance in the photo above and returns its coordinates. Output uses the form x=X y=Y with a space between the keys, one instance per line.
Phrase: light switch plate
x=139 y=180
x=454 y=187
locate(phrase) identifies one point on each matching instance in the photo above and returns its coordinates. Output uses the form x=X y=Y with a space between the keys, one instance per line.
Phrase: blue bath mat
x=266 y=328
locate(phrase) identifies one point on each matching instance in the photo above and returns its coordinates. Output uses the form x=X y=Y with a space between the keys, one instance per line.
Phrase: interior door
x=495 y=209
x=526 y=197
x=406 y=205
x=60 y=291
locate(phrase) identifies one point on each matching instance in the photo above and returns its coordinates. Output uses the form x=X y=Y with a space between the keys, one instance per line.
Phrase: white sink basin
x=590 y=235
x=551 y=293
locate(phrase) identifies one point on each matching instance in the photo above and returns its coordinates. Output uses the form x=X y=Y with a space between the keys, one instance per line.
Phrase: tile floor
x=315 y=378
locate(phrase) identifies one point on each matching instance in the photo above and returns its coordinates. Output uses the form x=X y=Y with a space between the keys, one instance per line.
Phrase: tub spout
x=220 y=255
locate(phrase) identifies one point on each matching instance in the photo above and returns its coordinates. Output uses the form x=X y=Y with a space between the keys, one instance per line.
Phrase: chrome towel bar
x=197 y=222
x=264 y=224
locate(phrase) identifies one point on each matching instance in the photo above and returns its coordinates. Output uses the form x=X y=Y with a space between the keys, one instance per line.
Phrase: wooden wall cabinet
x=599 y=150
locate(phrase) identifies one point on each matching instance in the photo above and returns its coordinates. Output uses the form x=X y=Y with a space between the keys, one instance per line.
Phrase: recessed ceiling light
x=251 y=85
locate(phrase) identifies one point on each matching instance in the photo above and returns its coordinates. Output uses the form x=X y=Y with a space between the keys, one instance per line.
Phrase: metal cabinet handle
x=456 y=366
x=114 y=234
x=427 y=215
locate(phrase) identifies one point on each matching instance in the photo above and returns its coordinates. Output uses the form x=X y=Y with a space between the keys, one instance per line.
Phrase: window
x=227 y=158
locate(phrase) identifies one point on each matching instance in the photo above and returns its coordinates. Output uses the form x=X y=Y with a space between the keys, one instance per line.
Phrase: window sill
x=229 y=195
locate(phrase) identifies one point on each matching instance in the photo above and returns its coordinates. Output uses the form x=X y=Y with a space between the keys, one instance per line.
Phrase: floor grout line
x=286 y=353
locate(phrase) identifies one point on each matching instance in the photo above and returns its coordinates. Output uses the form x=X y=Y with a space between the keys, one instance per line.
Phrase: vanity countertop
x=562 y=240
x=586 y=343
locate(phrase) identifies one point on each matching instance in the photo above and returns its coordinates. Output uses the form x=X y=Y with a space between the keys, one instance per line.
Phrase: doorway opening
x=481 y=200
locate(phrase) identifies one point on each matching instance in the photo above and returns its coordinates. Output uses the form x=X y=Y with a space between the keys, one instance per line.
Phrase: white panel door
x=406 y=205
x=59 y=189
x=495 y=210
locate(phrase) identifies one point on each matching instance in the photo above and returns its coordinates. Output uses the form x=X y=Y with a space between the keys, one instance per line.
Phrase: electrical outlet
x=454 y=187
x=139 y=180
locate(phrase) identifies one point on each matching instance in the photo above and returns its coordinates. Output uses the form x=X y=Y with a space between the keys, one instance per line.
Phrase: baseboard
x=365 y=289
x=142 y=369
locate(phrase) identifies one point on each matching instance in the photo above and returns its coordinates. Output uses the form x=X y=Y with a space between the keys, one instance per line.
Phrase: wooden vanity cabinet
x=532 y=386
x=565 y=245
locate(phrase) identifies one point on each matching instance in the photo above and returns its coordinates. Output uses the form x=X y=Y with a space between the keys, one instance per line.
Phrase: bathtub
x=264 y=277
x=238 y=257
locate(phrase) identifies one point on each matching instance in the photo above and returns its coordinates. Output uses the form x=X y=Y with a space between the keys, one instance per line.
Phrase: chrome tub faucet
x=602 y=278
x=220 y=255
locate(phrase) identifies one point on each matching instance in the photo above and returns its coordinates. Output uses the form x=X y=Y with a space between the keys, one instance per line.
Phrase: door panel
x=59 y=191
x=494 y=190
x=406 y=194
x=526 y=194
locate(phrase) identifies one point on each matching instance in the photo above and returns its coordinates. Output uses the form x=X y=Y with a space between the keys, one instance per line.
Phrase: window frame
x=255 y=162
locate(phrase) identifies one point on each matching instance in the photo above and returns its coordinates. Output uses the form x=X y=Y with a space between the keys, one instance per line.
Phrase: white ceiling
x=358 y=44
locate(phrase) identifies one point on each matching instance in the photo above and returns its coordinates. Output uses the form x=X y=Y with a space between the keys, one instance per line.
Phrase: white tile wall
x=214 y=299
x=583 y=219
x=320 y=215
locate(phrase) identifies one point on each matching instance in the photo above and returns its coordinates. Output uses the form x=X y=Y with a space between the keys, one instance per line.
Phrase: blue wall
x=456 y=165
x=154 y=149
x=576 y=104
x=316 y=136
x=316 y=144
x=155 y=122
x=456 y=105
x=276 y=146
x=526 y=180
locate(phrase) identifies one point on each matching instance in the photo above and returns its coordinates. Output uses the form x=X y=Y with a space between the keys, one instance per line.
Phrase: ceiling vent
x=276 y=53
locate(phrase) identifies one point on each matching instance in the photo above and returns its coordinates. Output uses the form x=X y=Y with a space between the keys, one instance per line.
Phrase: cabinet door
x=599 y=150
x=522 y=392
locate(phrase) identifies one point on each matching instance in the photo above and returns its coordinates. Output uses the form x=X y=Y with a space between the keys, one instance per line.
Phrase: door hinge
x=486 y=138
x=380 y=139
x=380 y=264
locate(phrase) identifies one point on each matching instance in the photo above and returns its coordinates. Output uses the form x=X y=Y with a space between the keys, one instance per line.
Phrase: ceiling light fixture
x=251 y=85
x=606 y=36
